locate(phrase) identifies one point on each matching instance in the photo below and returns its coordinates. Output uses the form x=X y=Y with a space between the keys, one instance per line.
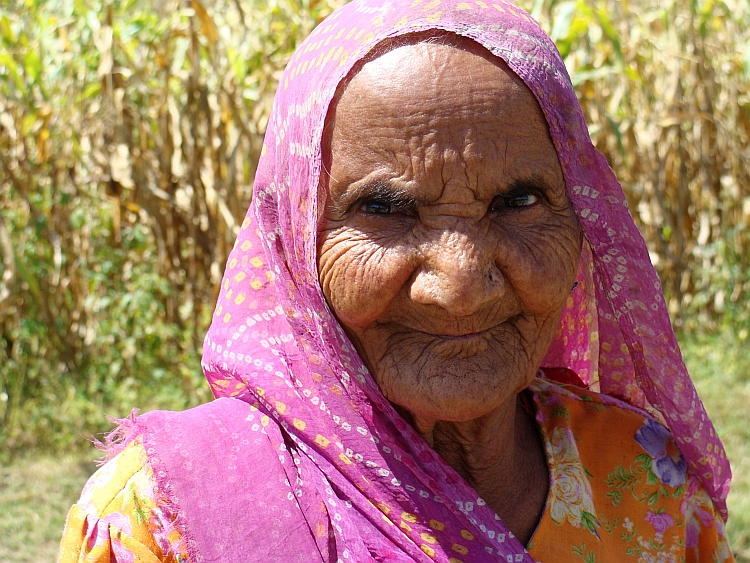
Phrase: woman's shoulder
x=126 y=470
x=618 y=477
x=123 y=510
x=613 y=438
x=119 y=514
x=588 y=412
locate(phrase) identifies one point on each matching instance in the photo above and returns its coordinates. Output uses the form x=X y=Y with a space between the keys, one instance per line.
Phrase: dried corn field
x=665 y=87
x=129 y=135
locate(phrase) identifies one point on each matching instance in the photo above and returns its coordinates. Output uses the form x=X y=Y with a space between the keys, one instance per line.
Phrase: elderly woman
x=437 y=274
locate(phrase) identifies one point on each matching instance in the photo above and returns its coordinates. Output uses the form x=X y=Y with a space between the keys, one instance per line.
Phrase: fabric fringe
x=126 y=430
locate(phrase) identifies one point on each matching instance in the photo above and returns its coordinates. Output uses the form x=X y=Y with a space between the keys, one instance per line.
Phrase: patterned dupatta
x=275 y=344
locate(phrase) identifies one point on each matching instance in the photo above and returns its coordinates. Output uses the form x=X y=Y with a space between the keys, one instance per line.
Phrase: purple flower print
x=698 y=510
x=660 y=522
x=692 y=531
x=551 y=400
x=693 y=523
x=669 y=465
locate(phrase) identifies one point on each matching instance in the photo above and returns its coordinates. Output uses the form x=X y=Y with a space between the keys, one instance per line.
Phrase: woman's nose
x=459 y=273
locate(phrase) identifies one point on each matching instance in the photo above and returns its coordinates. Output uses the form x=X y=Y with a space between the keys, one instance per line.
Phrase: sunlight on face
x=447 y=246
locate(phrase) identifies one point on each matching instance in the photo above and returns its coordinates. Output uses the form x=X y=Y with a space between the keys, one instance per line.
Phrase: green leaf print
x=560 y=411
x=611 y=525
x=140 y=511
x=616 y=497
x=647 y=464
x=634 y=551
x=644 y=460
x=622 y=479
x=590 y=523
x=592 y=405
x=657 y=546
x=586 y=556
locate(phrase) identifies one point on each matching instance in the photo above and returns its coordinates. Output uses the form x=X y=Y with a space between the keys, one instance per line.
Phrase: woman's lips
x=462 y=338
x=460 y=330
x=459 y=345
x=459 y=337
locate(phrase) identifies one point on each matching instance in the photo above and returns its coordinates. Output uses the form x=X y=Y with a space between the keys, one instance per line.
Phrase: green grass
x=720 y=367
x=36 y=490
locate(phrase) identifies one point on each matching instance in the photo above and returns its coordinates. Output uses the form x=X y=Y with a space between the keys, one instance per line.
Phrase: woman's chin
x=461 y=390
x=450 y=378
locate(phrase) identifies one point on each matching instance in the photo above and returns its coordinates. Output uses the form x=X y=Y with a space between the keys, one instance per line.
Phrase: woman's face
x=447 y=245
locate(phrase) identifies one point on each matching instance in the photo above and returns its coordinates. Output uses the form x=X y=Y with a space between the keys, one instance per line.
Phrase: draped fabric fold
x=275 y=344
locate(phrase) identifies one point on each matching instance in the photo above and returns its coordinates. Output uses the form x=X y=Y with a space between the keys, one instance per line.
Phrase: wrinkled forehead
x=340 y=46
x=452 y=78
x=410 y=56
x=403 y=49
x=415 y=67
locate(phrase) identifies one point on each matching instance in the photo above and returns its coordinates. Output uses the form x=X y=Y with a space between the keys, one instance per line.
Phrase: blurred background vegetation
x=129 y=135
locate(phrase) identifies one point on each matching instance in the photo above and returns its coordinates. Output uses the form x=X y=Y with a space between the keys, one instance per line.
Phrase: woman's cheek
x=360 y=279
x=543 y=268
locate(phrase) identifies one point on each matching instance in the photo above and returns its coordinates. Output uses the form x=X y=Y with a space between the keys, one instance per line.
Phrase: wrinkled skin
x=447 y=248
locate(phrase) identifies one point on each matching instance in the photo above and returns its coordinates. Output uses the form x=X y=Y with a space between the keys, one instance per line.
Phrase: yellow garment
x=118 y=517
x=616 y=493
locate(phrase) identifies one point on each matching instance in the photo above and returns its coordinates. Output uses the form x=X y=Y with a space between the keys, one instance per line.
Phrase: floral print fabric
x=621 y=495
x=620 y=490
x=119 y=516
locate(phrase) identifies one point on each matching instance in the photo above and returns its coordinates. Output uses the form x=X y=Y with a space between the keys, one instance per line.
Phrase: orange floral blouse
x=620 y=491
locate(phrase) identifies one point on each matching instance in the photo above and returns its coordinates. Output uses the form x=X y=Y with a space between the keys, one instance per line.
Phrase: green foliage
x=665 y=89
x=129 y=135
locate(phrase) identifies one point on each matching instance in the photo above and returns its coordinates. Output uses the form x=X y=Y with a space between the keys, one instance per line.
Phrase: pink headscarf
x=275 y=343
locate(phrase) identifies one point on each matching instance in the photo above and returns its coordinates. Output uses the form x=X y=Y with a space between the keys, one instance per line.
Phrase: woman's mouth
x=460 y=346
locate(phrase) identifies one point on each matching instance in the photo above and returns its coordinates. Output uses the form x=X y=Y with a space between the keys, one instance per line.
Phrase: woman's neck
x=501 y=455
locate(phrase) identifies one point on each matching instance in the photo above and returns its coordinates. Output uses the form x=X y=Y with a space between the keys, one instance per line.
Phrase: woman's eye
x=377 y=207
x=517 y=201
x=520 y=200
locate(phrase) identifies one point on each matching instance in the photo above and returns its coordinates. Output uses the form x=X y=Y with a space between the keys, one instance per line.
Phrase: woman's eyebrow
x=535 y=183
x=380 y=190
